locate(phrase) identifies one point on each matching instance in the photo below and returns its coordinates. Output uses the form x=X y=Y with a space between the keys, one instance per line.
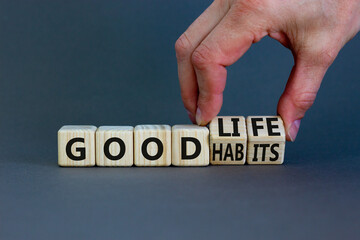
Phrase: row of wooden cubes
x=228 y=140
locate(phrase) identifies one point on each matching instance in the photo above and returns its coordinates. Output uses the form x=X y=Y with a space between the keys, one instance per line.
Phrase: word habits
x=228 y=141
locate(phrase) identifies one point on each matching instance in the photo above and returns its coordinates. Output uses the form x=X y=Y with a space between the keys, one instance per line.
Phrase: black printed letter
x=144 y=148
x=273 y=151
x=214 y=152
x=81 y=150
x=239 y=152
x=235 y=127
x=270 y=127
x=228 y=152
x=221 y=128
x=107 y=146
x=256 y=127
x=184 y=154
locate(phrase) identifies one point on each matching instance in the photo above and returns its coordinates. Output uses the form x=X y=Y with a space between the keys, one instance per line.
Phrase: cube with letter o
x=152 y=145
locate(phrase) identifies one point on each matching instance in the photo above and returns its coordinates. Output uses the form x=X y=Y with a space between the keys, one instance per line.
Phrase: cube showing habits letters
x=228 y=140
x=76 y=146
x=266 y=140
x=115 y=146
x=190 y=145
x=152 y=145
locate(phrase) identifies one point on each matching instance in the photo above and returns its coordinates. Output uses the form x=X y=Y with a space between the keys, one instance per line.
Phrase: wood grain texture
x=147 y=139
x=266 y=140
x=83 y=150
x=228 y=140
x=184 y=146
x=115 y=146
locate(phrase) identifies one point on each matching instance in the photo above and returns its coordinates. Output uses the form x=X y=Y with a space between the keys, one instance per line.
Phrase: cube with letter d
x=190 y=145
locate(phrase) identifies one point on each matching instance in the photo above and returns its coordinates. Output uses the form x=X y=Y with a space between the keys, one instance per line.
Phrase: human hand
x=314 y=30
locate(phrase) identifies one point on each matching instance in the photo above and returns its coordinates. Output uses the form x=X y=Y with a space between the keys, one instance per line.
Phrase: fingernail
x=192 y=118
x=198 y=116
x=294 y=129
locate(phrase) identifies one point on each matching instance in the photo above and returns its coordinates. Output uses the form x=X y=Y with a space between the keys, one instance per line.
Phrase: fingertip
x=199 y=118
x=288 y=112
x=293 y=130
x=208 y=107
x=191 y=117
x=203 y=118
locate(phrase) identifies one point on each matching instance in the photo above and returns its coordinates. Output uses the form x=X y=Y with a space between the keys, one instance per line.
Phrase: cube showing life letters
x=266 y=140
x=152 y=145
x=76 y=146
x=190 y=145
x=228 y=140
x=115 y=146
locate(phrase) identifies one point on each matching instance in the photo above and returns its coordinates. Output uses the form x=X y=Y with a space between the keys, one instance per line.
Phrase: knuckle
x=251 y=6
x=183 y=47
x=221 y=1
x=303 y=100
x=326 y=58
x=322 y=57
x=201 y=56
x=224 y=3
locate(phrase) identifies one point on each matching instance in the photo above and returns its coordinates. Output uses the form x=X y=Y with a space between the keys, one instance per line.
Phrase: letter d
x=184 y=154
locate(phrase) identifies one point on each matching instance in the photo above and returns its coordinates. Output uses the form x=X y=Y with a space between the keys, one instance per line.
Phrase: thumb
x=300 y=91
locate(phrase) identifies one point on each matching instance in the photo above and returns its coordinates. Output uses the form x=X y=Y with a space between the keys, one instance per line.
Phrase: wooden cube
x=190 y=145
x=228 y=140
x=266 y=140
x=152 y=146
x=76 y=146
x=115 y=146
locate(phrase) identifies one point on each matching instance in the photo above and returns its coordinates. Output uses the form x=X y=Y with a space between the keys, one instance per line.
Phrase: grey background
x=113 y=63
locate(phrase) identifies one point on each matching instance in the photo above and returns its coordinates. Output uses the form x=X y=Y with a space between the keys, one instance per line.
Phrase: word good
x=228 y=141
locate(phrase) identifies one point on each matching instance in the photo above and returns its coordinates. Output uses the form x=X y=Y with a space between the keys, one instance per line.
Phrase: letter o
x=107 y=146
x=144 y=148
